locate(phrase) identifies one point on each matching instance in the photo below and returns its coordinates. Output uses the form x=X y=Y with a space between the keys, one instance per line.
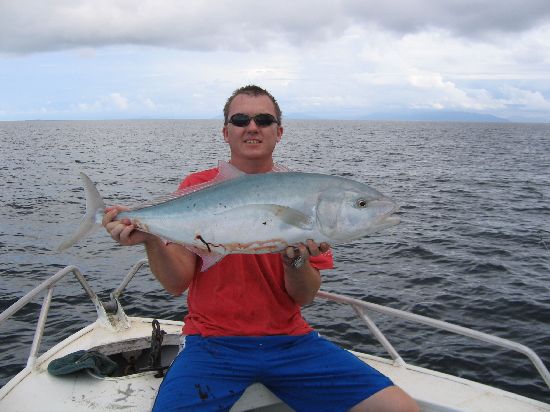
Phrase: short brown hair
x=251 y=90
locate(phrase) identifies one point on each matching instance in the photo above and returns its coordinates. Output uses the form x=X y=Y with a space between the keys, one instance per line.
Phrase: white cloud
x=526 y=98
x=445 y=94
x=112 y=101
x=35 y=25
x=119 y=101
x=148 y=103
x=87 y=107
x=172 y=59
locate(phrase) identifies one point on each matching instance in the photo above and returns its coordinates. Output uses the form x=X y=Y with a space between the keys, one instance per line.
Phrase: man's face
x=252 y=142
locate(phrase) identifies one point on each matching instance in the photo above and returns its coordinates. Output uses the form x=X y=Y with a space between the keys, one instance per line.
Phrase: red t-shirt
x=243 y=294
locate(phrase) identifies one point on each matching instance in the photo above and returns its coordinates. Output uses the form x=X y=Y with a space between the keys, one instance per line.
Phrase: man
x=244 y=323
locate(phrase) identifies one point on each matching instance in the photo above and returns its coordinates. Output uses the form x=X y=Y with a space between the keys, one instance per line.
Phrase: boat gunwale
x=105 y=320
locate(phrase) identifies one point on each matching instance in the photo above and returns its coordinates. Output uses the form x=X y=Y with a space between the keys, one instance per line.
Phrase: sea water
x=473 y=247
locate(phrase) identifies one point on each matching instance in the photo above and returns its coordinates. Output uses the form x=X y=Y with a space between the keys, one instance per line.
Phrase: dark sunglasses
x=261 y=120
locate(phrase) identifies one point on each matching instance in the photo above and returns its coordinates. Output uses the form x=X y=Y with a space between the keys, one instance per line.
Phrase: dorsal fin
x=170 y=196
x=280 y=168
x=226 y=171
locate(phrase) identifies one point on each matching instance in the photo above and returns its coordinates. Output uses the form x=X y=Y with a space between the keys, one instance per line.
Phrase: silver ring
x=298 y=262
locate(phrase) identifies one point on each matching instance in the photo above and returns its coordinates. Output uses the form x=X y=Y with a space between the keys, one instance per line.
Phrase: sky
x=106 y=59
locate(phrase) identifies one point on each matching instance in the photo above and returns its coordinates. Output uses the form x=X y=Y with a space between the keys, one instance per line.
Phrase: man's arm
x=172 y=264
x=302 y=283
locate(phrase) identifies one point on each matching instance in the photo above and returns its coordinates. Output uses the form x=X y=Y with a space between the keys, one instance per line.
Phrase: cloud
x=525 y=98
x=468 y=18
x=440 y=94
x=351 y=57
x=34 y=25
x=119 y=101
x=148 y=103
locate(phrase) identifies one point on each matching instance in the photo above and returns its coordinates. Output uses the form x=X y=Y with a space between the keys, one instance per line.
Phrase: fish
x=252 y=213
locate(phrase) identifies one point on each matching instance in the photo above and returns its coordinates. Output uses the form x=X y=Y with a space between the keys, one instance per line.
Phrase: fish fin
x=170 y=196
x=209 y=259
x=94 y=206
x=290 y=216
x=280 y=168
x=226 y=171
x=285 y=214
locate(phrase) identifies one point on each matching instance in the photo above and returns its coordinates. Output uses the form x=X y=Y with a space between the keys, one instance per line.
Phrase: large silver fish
x=254 y=213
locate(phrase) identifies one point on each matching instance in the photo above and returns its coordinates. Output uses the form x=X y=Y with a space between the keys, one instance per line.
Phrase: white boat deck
x=35 y=389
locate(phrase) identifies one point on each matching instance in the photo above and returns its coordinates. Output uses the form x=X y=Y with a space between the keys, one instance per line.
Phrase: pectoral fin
x=272 y=212
x=328 y=211
x=209 y=259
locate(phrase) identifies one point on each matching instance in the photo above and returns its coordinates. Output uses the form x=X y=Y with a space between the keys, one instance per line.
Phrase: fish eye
x=361 y=203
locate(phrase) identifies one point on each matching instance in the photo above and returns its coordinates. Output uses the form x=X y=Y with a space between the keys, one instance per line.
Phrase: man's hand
x=302 y=281
x=123 y=231
x=296 y=256
x=172 y=264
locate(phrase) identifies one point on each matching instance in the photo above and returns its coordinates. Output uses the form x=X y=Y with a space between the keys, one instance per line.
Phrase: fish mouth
x=386 y=209
x=384 y=222
x=390 y=221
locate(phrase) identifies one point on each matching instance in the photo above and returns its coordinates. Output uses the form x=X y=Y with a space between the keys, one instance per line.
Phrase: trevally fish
x=253 y=213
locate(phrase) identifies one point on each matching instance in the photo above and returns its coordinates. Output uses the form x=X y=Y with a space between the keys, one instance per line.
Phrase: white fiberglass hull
x=35 y=389
x=134 y=345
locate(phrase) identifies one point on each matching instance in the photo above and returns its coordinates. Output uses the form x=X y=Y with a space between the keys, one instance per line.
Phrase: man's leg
x=311 y=373
x=391 y=399
x=205 y=376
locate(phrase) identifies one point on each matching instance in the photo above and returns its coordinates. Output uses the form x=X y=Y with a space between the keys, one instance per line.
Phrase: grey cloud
x=468 y=18
x=32 y=26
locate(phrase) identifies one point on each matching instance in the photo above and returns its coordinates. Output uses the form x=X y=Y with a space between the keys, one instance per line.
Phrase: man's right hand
x=123 y=231
x=172 y=264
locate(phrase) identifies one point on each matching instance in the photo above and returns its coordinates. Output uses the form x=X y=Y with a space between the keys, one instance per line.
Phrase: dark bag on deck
x=73 y=362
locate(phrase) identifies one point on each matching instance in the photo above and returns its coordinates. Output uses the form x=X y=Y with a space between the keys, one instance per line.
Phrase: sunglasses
x=261 y=120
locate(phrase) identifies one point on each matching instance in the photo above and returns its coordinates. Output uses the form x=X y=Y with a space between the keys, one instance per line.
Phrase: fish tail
x=94 y=205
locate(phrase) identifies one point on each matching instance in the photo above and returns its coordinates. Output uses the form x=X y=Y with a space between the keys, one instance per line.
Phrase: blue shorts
x=307 y=372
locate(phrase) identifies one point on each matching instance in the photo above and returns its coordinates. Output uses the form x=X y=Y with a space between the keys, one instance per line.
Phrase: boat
x=143 y=348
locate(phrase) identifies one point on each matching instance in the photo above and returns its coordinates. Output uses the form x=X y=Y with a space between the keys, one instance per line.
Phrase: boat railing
x=110 y=314
x=47 y=286
x=362 y=309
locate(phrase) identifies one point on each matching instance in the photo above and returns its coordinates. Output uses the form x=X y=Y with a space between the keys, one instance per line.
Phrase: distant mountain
x=401 y=115
x=434 y=115
x=301 y=116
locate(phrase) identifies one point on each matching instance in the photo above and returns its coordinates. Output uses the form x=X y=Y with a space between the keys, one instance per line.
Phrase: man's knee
x=391 y=399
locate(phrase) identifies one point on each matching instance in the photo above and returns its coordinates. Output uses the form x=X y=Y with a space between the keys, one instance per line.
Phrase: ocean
x=473 y=247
